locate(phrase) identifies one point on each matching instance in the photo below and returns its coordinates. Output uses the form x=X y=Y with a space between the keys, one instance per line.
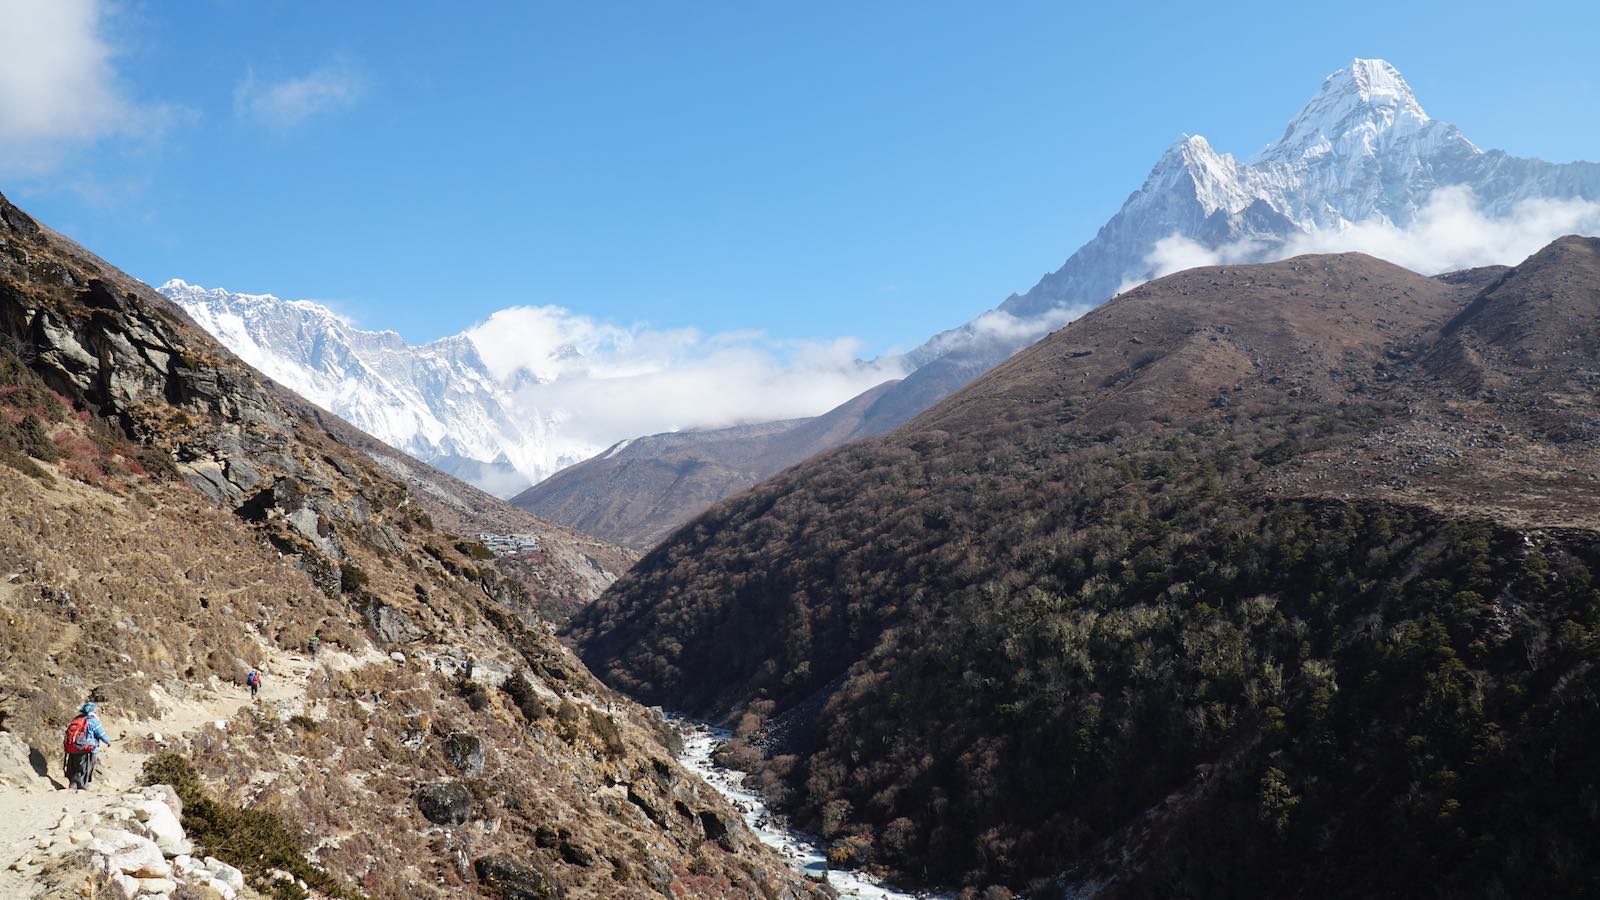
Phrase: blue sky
x=811 y=171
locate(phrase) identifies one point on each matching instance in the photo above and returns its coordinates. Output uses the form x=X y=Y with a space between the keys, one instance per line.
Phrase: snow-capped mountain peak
x=1362 y=152
x=1191 y=160
x=1367 y=108
x=438 y=402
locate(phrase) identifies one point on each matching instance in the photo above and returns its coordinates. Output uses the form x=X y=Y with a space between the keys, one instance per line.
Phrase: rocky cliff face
x=170 y=523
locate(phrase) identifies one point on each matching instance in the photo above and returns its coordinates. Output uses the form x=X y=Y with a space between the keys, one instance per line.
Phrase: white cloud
x=290 y=102
x=612 y=382
x=998 y=327
x=1174 y=253
x=59 y=87
x=1451 y=231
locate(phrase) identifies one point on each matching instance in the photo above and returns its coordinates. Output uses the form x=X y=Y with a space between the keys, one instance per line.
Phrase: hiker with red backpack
x=85 y=734
x=254 y=680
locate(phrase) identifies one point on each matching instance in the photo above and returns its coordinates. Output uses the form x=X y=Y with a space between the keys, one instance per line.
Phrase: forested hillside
x=1258 y=580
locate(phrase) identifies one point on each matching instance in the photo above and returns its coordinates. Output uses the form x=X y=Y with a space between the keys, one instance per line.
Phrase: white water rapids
x=805 y=852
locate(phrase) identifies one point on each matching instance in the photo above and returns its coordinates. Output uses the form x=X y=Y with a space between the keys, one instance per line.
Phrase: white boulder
x=129 y=852
x=124 y=887
x=157 y=887
x=225 y=873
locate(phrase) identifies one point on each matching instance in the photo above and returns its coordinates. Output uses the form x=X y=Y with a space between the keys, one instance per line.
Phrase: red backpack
x=78 y=739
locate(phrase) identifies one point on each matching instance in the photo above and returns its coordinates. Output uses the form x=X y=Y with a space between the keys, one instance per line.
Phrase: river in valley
x=805 y=852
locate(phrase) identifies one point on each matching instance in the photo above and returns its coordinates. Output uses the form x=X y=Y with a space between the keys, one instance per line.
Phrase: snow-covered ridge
x=1362 y=159
x=437 y=402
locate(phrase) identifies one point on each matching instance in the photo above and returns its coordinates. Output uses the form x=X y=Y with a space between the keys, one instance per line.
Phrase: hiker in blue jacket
x=84 y=737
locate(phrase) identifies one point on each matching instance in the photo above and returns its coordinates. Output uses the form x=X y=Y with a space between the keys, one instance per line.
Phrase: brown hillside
x=171 y=523
x=639 y=493
x=565 y=572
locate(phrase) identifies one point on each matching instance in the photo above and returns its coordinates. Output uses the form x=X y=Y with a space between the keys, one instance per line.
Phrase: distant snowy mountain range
x=437 y=402
x=1362 y=166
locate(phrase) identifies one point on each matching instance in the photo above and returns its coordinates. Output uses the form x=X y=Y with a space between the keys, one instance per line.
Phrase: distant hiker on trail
x=316 y=642
x=466 y=668
x=84 y=737
x=254 y=680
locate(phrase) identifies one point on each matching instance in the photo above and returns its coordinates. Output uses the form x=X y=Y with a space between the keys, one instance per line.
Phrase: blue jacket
x=97 y=731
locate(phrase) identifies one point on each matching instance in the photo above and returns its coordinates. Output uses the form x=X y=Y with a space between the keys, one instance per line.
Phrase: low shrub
x=521 y=692
x=474 y=550
x=256 y=841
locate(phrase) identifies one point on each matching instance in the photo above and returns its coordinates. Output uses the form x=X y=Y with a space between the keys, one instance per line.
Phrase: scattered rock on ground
x=445 y=803
x=465 y=752
x=515 y=880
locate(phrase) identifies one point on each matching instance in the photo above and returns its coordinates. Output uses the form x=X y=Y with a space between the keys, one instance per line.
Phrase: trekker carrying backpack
x=85 y=734
x=316 y=641
x=254 y=680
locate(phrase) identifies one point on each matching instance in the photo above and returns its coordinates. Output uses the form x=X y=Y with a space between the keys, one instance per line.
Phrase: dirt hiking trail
x=31 y=804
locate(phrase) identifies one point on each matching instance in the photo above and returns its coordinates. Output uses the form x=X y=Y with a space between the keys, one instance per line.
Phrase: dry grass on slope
x=170 y=521
x=112 y=589
x=566 y=786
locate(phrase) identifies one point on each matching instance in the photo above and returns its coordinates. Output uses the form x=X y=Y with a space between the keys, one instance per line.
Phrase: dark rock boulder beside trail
x=513 y=880
x=445 y=803
x=465 y=752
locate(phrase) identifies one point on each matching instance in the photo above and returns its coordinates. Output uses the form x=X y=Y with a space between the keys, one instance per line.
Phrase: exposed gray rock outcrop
x=445 y=803
x=515 y=880
x=465 y=752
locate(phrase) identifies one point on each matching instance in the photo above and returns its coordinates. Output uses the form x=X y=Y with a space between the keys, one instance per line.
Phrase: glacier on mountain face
x=437 y=402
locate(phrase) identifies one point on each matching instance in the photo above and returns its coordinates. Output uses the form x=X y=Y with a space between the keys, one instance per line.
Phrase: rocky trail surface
x=43 y=820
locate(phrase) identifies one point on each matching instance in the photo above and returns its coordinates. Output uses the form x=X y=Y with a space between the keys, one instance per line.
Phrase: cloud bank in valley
x=1451 y=231
x=614 y=382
